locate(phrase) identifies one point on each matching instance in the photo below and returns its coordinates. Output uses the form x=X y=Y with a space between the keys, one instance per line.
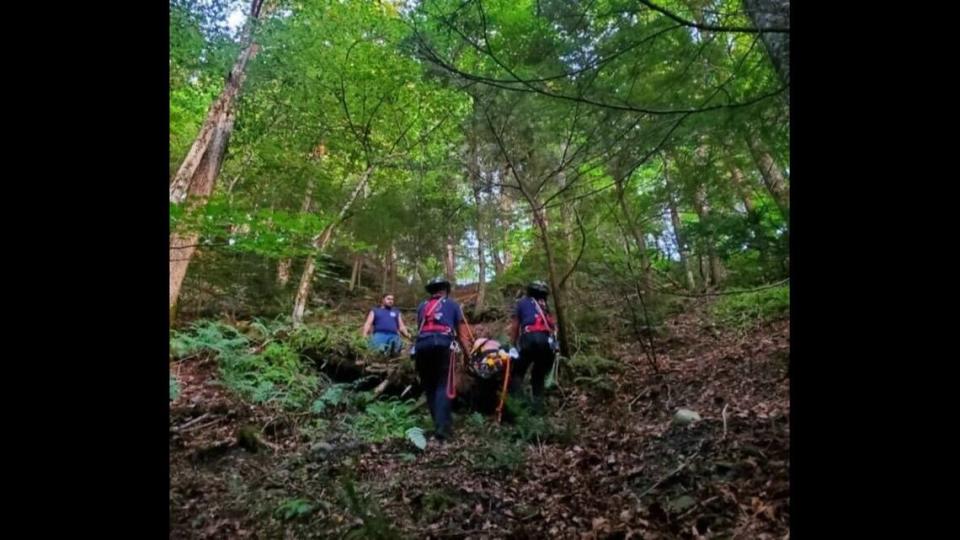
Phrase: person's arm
x=368 y=325
x=403 y=327
x=514 y=329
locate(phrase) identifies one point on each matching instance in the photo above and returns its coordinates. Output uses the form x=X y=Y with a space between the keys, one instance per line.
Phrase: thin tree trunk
x=682 y=247
x=355 y=274
x=636 y=232
x=558 y=296
x=320 y=243
x=506 y=210
x=717 y=271
x=394 y=263
x=449 y=261
x=475 y=181
x=385 y=276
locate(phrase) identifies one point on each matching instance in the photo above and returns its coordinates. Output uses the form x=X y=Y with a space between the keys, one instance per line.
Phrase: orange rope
x=503 y=393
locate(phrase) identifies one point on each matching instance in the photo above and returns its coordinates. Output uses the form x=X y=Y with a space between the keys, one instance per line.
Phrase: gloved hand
x=514 y=353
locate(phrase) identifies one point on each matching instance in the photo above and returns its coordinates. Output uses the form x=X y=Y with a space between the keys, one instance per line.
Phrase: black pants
x=535 y=351
x=432 y=360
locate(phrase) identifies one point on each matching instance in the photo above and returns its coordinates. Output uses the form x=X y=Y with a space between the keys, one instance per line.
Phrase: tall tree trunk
x=498 y=265
x=506 y=210
x=681 y=246
x=772 y=175
x=320 y=243
x=198 y=172
x=449 y=261
x=481 y=262
x=355 y=273
x=717 y=271
x=474 y=172
x=393 y=268
x=773 y=14
x=743 y=189
x=183 y=246
x=385 y=276
x=283 y=271
x=558 y=296
x=540 y=220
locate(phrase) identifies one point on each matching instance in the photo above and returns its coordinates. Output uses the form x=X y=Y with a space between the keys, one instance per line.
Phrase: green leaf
x=415 y=435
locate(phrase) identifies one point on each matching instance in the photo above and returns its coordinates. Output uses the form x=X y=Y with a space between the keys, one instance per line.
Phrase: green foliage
x=329 y=340
x=293 y=509
x=384 y=420
x=174 y=388
x=208 y=336
x=742 y=310
x=331 y=397
x=274 y=376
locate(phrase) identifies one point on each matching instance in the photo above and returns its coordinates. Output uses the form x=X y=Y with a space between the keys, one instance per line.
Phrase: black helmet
x=538 y=289
x=438 y=284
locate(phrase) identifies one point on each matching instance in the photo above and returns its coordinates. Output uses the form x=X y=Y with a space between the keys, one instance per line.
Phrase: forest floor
x=608 y=460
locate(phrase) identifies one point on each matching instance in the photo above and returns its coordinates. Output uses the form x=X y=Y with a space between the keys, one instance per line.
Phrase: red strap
x=427 y=322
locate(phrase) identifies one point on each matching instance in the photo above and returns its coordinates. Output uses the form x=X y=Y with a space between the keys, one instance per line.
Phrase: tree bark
x=773 y=178
x=183 y=246
x=473 y=170
x=355 y=274
x=198 y=172
x=449 y=261
x=770 y=14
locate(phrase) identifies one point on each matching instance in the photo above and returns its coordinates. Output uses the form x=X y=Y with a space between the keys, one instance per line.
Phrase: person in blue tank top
x=387 y=326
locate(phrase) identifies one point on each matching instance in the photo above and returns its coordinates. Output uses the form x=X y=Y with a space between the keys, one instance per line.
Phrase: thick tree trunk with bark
x=773 y=14
x=197 y=175
x=183 y=246
x=773 y=178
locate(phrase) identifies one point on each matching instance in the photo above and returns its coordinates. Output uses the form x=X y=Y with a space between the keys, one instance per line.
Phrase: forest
x=632 y=156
